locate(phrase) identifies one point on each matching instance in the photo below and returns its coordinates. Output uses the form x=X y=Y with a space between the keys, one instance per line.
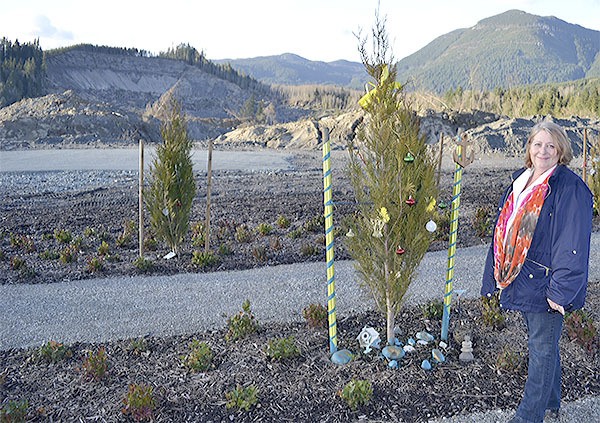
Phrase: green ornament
x=442 y=205
x=409 y=158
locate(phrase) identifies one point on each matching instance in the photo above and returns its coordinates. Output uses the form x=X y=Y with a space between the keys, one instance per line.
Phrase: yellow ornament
x=431 y=205
x=383 y=213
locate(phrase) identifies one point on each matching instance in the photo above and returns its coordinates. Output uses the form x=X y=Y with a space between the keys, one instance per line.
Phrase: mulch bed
x=304 y=388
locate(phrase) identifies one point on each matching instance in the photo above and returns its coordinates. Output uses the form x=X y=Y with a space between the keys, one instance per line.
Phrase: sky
x=320 y=30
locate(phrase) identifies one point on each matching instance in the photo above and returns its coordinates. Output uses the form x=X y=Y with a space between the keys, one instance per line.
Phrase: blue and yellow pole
x=461 y=160
x=328 y=213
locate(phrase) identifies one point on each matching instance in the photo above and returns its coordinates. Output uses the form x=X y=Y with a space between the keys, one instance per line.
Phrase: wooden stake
x=208 y=189
x=585 y=155
x=439 y=170
x=141 y=200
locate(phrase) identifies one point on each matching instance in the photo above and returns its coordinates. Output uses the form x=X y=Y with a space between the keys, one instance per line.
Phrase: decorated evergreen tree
x=392 y=173
x=172 y=186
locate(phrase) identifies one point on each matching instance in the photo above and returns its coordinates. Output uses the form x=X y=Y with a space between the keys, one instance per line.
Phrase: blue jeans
x=542 y=389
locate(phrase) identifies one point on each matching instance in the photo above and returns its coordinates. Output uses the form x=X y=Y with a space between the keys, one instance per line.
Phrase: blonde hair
x=559 y=136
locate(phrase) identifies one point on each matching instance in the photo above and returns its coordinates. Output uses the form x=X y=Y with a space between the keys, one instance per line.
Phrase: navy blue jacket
x=557 y=262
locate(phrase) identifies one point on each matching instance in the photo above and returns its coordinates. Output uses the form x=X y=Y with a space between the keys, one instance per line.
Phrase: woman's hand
x=555 y=306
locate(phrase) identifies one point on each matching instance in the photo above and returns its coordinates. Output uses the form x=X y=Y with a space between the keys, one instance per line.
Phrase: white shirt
x=519 y=191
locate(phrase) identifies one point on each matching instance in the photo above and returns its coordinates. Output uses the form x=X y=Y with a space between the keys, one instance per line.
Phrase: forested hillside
x=21 y=71
x=507 y=50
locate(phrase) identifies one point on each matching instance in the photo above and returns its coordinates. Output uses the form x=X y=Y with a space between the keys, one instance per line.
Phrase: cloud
x=44 y=29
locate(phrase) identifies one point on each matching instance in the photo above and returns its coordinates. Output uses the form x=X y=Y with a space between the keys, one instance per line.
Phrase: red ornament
x=411 y=201
x=400 y=251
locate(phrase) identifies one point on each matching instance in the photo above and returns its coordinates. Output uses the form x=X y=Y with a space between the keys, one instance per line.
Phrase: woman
x=539 y=258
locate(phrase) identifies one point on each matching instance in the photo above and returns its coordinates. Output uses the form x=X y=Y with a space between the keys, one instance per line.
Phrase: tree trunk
x=390 y=320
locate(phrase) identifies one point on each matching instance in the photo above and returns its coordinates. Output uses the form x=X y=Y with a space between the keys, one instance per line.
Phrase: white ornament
x=368 y=338
x=431 y=226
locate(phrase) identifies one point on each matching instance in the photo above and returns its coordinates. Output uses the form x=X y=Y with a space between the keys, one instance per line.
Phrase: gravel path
x=96 y=310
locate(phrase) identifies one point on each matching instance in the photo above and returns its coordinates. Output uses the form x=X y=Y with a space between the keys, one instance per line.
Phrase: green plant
x=275 y=243
x=260 y=253
x=242 y=398
x=138 y=346
x=53 y=352
x=581 y=329
x=281 y=348
x=434 y=309
x=26 y=244
x=150 y=243
x=508 y=360
x=68 y=254
x=89 y=232
x=296 y=233
x=225 y=250
x=204 y=259
x=103 y=249
x=14 y=411
x=315 y=315
x=199 y=358
x=264 y=229
x=126 y=236
x=482 y=222
x=95 y=365
x=171 y=179
x=491 y=311
x=95 y=264
x=242 y=324
x=139 y=402
x=17 y=263
x=315 y=224
x=63 y=236
x=443 y=219
x=308 y=250
x=283 y=222
x=242 y=234
x=143 y=264
x=357 y=393
x=49 y=255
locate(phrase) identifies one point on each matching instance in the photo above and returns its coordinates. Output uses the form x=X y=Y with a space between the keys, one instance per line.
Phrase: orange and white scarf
x=512 y=241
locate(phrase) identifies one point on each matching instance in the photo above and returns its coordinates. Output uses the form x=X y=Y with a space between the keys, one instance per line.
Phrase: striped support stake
x=461 y=160
x=328 y=213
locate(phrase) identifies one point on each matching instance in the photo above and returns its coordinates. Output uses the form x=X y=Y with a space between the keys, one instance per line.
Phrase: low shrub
x=95 y=365
x=283 y=222
x=63 y=236
x=199 y=359
x=282 y=348
x=139 y=403
x=491 y=312
x=14 y=411
x=433 y=310
x=242 y=324
x=143 y=264
x=53 y=352
x=315 y=315
x=357 y=393
x=204 y=259
x=242 y=398
x=508 y=360
x=581 y=329
x=264 y=229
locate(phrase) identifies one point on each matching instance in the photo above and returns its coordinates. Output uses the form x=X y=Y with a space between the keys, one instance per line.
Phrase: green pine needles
x=392 y=173
x=172 y=186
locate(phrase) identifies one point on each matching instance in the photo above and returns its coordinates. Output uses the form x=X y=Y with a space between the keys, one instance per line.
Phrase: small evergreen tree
x=392 y=174
x=172 y=186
